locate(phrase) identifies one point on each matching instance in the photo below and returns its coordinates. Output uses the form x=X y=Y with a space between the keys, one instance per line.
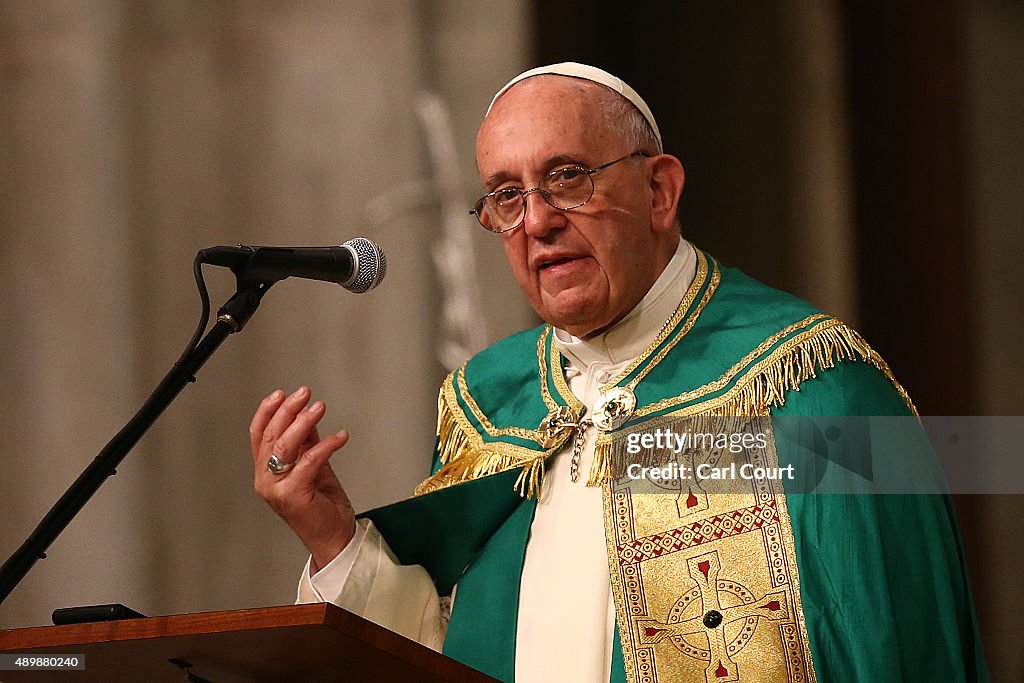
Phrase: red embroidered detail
x=773 y=606
x=704 y=568
x=637 y=550
x=650 y=632
x=721 y=671
x=691 y=500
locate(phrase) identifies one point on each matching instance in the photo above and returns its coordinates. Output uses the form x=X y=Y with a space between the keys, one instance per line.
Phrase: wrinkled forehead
x=546 y=118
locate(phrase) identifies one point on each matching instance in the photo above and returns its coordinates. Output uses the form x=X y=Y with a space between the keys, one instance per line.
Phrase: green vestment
x=804 y=586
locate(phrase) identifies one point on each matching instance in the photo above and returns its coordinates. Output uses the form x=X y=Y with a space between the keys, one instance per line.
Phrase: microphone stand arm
x=231 y=318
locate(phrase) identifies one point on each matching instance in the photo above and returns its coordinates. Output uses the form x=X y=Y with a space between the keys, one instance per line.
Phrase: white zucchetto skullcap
x=588 y=73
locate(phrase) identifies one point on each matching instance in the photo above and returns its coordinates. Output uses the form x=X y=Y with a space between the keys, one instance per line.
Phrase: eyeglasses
x=565 y=188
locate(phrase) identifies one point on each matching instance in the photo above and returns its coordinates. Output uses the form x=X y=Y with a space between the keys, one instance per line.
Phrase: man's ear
x=667 y=179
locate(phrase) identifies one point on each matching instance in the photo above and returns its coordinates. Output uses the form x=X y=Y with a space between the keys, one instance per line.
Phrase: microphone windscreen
x=369 y=265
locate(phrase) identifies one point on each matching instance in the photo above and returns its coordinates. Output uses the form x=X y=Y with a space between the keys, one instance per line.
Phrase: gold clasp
x=557 y=426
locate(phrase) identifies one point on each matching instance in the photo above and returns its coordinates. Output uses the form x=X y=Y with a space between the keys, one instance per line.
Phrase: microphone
x=358 y=265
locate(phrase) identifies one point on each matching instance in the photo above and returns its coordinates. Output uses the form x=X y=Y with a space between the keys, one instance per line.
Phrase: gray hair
x=626 y=120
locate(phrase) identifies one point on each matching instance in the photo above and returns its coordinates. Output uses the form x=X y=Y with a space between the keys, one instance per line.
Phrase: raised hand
x=299 y=483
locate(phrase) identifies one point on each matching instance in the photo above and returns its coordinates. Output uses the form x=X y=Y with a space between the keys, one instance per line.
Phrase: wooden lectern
x=319 y=642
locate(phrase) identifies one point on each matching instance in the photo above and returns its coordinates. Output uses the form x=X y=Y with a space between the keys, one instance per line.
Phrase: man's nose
x=540 y=217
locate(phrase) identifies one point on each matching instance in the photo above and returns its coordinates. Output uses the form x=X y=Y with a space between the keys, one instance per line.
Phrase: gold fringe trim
x=601 y=465
x=748 y=369
x=452 y=441
x=797 y=361
x=464 y=456
x=764 y=386
x=531 y=480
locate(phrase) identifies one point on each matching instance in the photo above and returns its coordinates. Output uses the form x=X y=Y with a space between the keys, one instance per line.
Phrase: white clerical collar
x=634 y=333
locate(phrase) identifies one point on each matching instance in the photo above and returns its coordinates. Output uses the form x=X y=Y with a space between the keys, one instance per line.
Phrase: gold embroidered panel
x=704 y=571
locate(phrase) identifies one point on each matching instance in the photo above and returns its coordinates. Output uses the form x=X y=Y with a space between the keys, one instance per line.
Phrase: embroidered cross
x=711 y=620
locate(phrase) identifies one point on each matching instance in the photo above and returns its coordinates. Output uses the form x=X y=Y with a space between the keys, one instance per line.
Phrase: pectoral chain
x=577 y=448
x=610 y=411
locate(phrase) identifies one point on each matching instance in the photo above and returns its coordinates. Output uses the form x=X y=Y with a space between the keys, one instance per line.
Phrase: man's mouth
x=557 y=262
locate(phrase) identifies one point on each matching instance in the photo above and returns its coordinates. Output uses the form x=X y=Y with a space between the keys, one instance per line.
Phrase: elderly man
x=560 y=568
